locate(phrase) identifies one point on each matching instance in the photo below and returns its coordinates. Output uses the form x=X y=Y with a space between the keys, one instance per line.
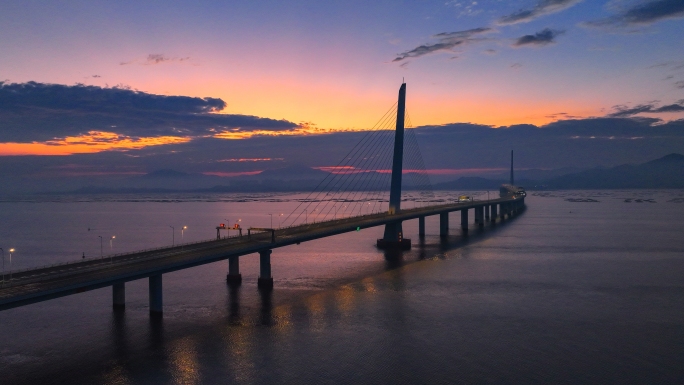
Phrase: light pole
x=111 y=246
x=182 y=230
x=306 y=217
x=3 y=265
x=279 y=219
x=10 y=251
x=173 y=235
x=100 y=245
x=271 y=215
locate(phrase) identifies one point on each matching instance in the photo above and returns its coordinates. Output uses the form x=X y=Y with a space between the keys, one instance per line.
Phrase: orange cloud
x=92 y=142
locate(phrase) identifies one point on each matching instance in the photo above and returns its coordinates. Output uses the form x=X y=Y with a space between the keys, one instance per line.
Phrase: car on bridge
x=465 y=198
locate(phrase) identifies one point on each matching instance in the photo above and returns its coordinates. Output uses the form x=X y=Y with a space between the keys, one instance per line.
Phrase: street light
x=110 y=241
x=279 y=219
x=10 y=251
x=3 y=265
x=100 y=245
x=173 y=236
x=182 y=230
x=271 y=219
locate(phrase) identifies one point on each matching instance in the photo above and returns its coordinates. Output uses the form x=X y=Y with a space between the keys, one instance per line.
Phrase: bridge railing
x=180 y=247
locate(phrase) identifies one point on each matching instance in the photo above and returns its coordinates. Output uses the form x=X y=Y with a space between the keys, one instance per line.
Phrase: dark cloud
x=576 y=143
x=543 y=7
x=156 y=58
x=446 y=41
x=543 y=37
x=644 y=12
x=39 y=112
x=679 y=84
x=516 y=65
x=624 y=111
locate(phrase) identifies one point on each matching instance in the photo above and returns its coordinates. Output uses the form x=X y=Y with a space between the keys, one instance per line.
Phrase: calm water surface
x=567 y=292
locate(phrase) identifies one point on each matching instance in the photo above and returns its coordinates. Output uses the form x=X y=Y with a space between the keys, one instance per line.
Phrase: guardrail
x=176 y=249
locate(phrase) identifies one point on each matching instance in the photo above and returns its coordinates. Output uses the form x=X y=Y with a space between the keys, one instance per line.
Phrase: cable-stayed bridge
x=352 y=197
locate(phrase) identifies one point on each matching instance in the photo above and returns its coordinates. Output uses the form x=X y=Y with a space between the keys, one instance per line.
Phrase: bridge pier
x=155 y=286
x=421 y=227
x=464 y=220
x=443 y=224
x=487 y=214
x=119 y=295
x=265 y=280
x=234 y=277
x=479 y=216
x=494 y=212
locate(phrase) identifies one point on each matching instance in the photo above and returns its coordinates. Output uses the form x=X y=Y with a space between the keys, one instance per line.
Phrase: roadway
x=39 y=284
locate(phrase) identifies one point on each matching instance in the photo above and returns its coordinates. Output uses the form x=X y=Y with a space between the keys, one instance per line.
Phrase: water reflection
x=234 y=304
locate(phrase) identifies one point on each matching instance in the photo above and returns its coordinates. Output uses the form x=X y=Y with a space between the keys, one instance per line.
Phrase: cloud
x=446 y=41
x=156 y=58
x=542 y=8
x=541 y=38
x=624 y=111
x=43 y=112
x=643 y=13
x=516 y=65
x=679 y=84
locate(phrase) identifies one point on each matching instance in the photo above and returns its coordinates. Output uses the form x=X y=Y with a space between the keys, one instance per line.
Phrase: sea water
x=582 y=287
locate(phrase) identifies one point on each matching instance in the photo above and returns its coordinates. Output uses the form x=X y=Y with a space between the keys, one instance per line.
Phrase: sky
x=94 y=77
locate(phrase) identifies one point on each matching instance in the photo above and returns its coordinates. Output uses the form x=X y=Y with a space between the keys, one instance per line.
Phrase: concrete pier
x=234 y=277
x=421 y=226
x=265 y=280
x=119 y=295
x=494 y=212
x=487 y=212
x=443 y=224
x=479 y=216
x=156 y=300
x=464 y=220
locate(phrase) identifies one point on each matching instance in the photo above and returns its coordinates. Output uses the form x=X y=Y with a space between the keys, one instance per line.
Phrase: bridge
x=45 y=283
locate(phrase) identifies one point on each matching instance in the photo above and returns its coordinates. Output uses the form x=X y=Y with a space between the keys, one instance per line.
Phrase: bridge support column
x=464 y=220
x=494 y=214
x=479 y=216
x=265 y=280
x=443 y=224
x=156 y=294
x=119 y=295
x=234 y=277
x=487 y=213
x=421 y=226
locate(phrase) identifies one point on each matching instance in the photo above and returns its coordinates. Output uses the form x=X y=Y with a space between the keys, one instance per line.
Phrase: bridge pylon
x=394 y=237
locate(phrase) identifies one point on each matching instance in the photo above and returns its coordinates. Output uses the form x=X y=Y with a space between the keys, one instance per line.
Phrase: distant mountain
x=166 y=173
x=665 y=172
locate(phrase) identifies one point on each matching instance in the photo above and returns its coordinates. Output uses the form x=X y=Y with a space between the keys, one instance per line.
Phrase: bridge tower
x=512 y=181
x=393 y=238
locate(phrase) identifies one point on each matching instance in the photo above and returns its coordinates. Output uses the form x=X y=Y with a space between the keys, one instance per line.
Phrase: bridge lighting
x=358 y=229
x=10 y=252
x=182 y=230
x=111 y=246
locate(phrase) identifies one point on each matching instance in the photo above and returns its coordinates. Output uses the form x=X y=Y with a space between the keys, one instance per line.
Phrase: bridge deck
x=34 y=285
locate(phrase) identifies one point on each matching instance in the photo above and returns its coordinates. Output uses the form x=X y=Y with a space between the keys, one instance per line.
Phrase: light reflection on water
x=565 y=293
